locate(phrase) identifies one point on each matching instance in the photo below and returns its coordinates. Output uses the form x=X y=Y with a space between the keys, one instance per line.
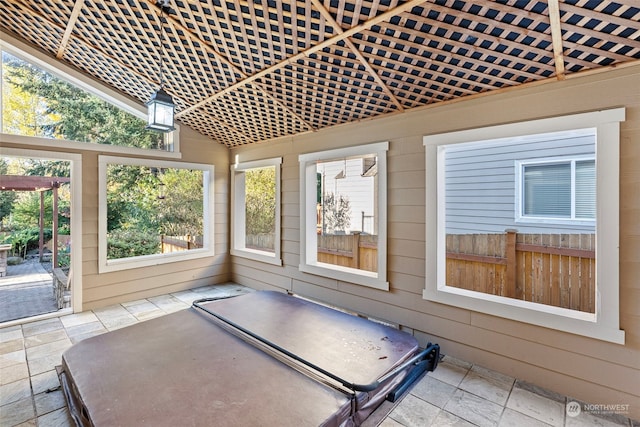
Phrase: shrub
x=130 y=243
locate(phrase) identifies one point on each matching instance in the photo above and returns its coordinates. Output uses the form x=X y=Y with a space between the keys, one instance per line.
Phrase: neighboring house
x=348 y=178
x=539 y=184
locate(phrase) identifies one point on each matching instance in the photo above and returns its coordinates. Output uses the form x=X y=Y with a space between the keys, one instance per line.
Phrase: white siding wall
x=481 y=184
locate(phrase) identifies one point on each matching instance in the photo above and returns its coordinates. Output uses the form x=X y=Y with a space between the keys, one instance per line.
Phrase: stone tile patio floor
x=455 y=394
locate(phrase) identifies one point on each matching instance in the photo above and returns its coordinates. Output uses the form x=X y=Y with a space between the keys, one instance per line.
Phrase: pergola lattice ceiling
x=243 y=72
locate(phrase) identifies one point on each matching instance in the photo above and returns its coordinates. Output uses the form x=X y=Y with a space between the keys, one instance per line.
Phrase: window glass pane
x=153 y=210
x=260 y=208
x=586 y=189
x=547 y=190
x=37 y=103
x=547 y=257
x=347 y=222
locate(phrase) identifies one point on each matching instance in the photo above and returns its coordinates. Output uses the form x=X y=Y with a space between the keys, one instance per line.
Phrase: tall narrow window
x=255 y=209
x=343 y=214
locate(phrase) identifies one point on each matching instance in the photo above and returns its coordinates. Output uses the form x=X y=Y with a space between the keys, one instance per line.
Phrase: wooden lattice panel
x=349 y=14
x=255 y=34
x=208 y=125
x=599 y=32
x=328 y=88
x=109 y=71
x=243 y=72
x=257 y=117
x=452 y=49
x=132 y=37
x=19 y=19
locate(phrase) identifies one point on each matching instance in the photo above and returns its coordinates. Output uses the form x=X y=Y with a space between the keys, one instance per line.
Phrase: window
x=343 y=214
x=557 y=190
x=44 y=103
x=255 y=210
x=541 y=266
x=153 y=211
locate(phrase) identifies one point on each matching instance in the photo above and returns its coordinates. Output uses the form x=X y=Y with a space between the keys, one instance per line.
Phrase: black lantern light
x=161 y=106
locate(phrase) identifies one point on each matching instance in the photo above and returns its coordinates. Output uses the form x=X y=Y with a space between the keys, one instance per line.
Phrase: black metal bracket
x=428 y=362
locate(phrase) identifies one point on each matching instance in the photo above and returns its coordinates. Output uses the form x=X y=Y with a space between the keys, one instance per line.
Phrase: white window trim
x=76 y=215
x=105 y=265
x=308 y=233
x=238 y=209
x=519 y=182
x=605 y=323
x=21 y=50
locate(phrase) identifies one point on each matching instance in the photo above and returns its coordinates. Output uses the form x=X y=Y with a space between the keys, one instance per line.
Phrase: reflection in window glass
x=347 y=221
x=519 y=226
x=37 y=103
x=153 y=210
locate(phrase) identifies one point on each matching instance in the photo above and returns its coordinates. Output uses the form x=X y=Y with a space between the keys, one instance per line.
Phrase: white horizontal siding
x=481 y=189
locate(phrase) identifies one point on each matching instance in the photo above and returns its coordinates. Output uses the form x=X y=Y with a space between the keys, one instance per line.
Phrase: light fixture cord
x=163 y=4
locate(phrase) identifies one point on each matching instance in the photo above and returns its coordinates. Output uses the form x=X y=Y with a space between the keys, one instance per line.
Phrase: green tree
x=180 y=212
x=6 y=197
x=23 y=112
x=260 y=201
x=52 y=107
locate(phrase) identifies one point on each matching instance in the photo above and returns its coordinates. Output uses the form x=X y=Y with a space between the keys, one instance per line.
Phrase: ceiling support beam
x=77 y=7
x=556 y=38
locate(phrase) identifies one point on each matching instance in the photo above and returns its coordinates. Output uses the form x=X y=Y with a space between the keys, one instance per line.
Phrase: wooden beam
x=70 y=25
x=556 y=38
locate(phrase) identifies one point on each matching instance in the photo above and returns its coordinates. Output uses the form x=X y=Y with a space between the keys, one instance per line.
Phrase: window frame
x=109 y=265
x=238 y=209
x=29 y=54
x=521 y=217
x=308 y=217
x=604 y=324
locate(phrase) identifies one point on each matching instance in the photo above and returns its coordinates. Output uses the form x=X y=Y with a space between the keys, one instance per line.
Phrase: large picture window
x=152 y=212
x=42 y=102
x=255 y=210
x=343 y=214
x=555 y=262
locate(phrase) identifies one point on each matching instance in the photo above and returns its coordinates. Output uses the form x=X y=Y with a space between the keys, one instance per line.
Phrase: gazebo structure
x=40 y=184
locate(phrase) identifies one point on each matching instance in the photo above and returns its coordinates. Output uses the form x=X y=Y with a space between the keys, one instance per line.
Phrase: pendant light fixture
x=160 y=106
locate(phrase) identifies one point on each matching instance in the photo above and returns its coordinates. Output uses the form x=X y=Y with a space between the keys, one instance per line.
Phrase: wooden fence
x=262 y=241
x=551 y=269
x=180 y=243
x=354 y=250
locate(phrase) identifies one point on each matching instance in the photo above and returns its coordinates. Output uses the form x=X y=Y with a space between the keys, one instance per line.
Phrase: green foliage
x=6 y=197
x=336 y=213
x=131 y=243
x=26 y=211
x=181 y=211
x=260 y=201
x=24 y=240
x=57 y=109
